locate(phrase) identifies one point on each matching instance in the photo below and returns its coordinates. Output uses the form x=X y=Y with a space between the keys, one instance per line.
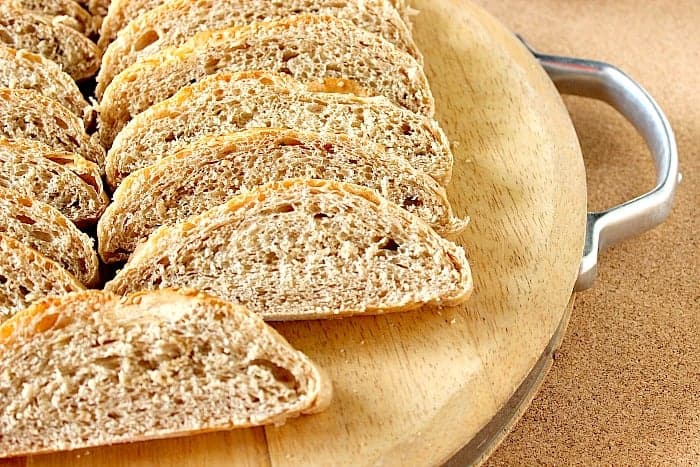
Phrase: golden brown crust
x=79 y=181
x=51 y=233
x=58 y=312
x=153 y=247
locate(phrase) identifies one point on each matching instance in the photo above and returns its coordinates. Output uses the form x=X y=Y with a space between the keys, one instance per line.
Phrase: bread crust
x=31 y=115
x=216 y=167
x=280 y=46
x=58 y=312
x=66 y=12
x=50 y=272
x=64 y=180
x=48 y=79
x=174 y=22
x=213 y=105
x=152 y=250
x=45 y=229
x=77 y=54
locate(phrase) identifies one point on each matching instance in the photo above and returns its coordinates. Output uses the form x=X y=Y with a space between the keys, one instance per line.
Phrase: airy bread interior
x=306 y=47
x=49 y=232
x=119 y=13
x=176 y=21
x=67 y=12
x=64 y=180
x=304 y=249
x=212 y=170
x=26 y=276
x=29 y=114
x=38 y=33
x=234 y=101
x=25 y=70
x=88 y=369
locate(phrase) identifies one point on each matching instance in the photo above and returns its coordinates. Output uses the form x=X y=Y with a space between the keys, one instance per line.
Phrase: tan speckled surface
x=625 y=386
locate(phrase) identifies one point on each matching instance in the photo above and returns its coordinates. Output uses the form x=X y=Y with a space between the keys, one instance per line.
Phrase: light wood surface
x=414 y=388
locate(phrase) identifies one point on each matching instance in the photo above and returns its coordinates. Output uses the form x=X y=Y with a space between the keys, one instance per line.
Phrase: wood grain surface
x=625 y=386
x=413 y=388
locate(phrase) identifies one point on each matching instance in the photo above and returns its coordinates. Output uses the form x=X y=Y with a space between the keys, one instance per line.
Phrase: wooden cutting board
x=414 y=388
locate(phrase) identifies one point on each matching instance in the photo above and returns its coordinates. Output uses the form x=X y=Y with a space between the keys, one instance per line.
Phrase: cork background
x=625 y=385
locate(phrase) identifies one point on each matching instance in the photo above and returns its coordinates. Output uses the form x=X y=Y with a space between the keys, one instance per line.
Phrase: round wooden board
x=414 y=388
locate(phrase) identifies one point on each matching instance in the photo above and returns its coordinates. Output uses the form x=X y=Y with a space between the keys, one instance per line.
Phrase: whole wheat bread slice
x=215 y=168
x=24 y=29
x=66 y=12
x=63 y=180
x=235 y=101
x=92 y=369
x=26 y=113
x=20 y=69
x=26 y=276
x=119 y=14
x=306 y=47
x=174 y=22
x=304 y=249
x=49 y=232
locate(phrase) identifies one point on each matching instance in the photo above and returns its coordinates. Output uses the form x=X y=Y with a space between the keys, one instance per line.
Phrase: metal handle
x=609 y=84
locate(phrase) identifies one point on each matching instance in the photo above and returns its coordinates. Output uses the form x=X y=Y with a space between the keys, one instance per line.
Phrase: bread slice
x=66 y=12
x=49 y=232
x=119 y=14
x=306 y=47
x=304 y=249
x=20 y=69
x=26 y=276
x=172 y=23
x=235 y=101
x=23 y=29
x=98 y=8
x=92 y=369
x=215 y=168
x=63 y=180
x=29 y=114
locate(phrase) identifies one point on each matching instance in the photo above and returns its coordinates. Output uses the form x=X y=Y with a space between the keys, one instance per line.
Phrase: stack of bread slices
x=267 y=160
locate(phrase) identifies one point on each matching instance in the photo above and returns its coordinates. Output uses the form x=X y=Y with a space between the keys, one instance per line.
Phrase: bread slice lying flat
x=304 y=249
x=212 y=170
x=66 y=12
x=91 y=369
x=306 y=47
x=174 y=22
x=63 y=180
x=26 y=276
x=23 y=29
x=49 y=232
x=119 y=14
x=235 y=101
x=20 y=69
x=29 y=114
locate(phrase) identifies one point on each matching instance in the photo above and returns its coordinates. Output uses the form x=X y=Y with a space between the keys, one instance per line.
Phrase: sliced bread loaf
x=23 y=29
x=172 y=23
x=20 y=69
x=63 y=180
x=26 y=276
x=215 y=168
x=92 y=369
x=66 y=12
x=234 y=101
x=306 y=47
x=29 y=114
x=49 y=232
x=304 y=249
x=119 y=13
